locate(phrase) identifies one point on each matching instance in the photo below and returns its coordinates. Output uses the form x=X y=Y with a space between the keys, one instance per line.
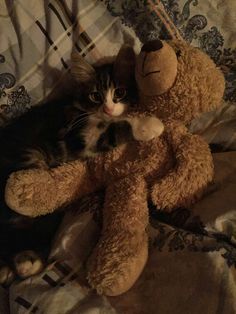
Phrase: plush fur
x=172 y=170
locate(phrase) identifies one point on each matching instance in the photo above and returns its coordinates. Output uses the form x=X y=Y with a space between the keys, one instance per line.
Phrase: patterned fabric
x=207 y=24
x=191 y=267
x=57 y=290
x=61 y=287
x=37 y=37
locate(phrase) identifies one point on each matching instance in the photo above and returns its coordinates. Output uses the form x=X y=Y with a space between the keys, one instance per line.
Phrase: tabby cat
x=90 y=120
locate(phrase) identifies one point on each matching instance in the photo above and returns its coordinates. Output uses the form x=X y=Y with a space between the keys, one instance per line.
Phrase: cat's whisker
x=78 y=122
x=82 y=114
x=78 y=118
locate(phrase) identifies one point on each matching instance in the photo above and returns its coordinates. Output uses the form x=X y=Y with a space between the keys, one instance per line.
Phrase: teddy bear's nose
x=152 y=45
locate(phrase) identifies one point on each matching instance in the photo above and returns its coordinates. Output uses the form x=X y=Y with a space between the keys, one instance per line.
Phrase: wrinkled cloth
x=36 y=40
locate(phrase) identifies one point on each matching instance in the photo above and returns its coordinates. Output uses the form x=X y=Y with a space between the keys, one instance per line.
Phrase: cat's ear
x=124 y=65
x=81 y=70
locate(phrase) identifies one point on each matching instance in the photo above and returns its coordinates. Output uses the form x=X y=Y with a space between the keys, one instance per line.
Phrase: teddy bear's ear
x=81 y=70
x=124 y=65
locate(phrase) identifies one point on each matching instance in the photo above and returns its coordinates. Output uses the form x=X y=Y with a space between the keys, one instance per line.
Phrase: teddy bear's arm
x=191 y=174
x=37 y=192
x=121 y=252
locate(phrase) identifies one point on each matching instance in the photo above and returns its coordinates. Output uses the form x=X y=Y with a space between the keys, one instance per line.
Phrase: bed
x=191 y=267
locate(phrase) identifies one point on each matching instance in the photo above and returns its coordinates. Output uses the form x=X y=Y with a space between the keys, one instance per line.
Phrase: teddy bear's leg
x=122 y=250
x=37 y=192
x=186 y=182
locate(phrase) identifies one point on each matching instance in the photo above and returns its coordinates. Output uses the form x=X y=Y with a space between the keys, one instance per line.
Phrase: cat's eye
x=95 y=97
x=119 y=93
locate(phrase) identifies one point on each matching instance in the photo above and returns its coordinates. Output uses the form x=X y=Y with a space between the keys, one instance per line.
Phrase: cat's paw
x=147 y=128
x=6 y=275
x=28 y=263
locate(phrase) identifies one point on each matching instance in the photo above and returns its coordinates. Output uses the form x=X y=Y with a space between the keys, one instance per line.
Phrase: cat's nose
x=107 y=110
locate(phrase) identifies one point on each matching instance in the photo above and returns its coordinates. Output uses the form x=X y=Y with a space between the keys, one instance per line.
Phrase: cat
x=91 y=120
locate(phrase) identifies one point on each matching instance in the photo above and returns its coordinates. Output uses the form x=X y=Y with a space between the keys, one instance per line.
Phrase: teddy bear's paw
x=28 y=263
x=29 y=192
x=115 y=271
x=147 y=128
x=6 y=275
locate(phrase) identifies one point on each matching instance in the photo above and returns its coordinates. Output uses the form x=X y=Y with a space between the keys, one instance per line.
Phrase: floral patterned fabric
x=209 y=25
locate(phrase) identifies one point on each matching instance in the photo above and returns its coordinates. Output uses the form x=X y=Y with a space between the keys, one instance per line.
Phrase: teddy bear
x=176 y=83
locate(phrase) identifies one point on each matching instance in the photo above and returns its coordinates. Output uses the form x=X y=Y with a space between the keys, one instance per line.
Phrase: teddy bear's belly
x=149 y=159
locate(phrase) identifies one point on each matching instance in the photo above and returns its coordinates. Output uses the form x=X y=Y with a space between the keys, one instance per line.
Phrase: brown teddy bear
x=176 y=83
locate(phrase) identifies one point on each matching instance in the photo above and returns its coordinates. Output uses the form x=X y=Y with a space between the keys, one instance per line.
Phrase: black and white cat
x=91 y=120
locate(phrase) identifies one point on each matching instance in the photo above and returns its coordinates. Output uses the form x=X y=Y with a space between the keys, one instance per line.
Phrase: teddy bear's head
x=177 y=81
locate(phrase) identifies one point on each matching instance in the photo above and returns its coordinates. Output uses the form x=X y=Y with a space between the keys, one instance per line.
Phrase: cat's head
x=108 y=89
